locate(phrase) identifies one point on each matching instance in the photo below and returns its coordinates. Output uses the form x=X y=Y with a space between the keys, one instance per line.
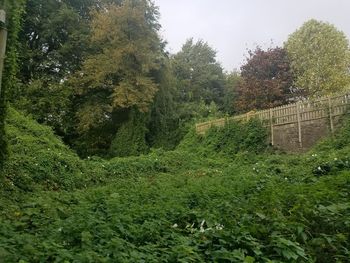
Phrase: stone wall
x=298 y=126
x=286 y=137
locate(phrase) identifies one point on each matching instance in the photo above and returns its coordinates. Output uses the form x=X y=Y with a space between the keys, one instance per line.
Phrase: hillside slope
x=208 y=201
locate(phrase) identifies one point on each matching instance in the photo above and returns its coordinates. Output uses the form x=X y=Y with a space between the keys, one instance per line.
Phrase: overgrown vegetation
x=15 y=10
x=204 y=202
x=85 y=67
x=97 y=74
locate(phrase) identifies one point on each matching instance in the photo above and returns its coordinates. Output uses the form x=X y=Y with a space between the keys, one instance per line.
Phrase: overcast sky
x=233 y=26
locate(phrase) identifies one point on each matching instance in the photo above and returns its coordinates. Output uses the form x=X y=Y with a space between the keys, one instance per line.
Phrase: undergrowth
x=222 y=197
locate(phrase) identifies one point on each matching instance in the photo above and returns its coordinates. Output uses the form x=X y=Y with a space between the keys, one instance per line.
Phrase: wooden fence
x=296 y=113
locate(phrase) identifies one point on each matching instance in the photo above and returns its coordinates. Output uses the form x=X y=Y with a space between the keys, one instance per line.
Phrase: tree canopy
x=199 y=74
x=320 y=58
x=98 y=73
x=128 y=49
x=266 y=80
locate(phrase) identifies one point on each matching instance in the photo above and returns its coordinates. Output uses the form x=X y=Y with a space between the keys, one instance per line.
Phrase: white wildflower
x=219 y=227
x=319 y=168
x=202 y=227
x=174 y=226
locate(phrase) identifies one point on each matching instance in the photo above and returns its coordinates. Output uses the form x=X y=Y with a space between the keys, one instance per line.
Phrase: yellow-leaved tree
x=118 y=75
x=320 y=58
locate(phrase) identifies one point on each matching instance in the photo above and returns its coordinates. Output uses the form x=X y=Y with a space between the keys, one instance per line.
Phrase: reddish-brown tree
x=266 y=80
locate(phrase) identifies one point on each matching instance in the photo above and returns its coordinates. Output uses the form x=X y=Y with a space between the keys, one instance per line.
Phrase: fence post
x=3 y=37
x=271 y=126
x=330 y=114
x=299 y=124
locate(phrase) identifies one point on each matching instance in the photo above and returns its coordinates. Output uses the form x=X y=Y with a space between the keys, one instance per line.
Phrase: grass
x=207 y=201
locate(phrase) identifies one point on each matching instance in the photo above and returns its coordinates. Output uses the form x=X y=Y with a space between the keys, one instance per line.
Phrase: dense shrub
x=131 y=136
x=229 y=140
x=37 y=156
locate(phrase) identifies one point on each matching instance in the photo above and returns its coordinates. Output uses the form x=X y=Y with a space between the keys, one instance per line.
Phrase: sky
x=231 y=27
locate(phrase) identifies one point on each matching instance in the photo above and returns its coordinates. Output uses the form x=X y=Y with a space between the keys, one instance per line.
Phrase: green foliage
x=49 y=103
x=229 y=140
x=53 y=40
x=233 y=79
x=128 y=50
x=15 y=10
x=37 y=156
x=120 y=74
x=177 y=206
x=221 y=197
x=320 y=58
x=164 y=125
x=3 y=140
x=131 y=136
x=199 y=75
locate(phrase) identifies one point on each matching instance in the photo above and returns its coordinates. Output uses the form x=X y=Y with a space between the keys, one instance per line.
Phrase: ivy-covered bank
x=220 y=198
x=14 y=10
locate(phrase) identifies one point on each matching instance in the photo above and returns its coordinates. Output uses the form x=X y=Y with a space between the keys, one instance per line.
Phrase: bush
x=131 y=136
x=229 y=140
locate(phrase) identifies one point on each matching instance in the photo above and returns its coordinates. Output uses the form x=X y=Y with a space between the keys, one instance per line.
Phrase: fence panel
x=306 y=110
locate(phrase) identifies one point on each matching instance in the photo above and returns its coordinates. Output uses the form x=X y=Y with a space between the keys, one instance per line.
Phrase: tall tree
x=320 y=58
x=266 y=80
x=117 y=80
x=199 y=75
x=232 y=82
x=163 y=127
x=54 y=39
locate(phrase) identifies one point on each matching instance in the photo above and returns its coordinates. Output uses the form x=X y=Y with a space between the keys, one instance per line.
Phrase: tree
x=198 y=73
x=320 y=58
x=117 y=80
x=266 y=80
x=130 y=137
x=54 y=39
x=233 y=79
x=48 y=102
